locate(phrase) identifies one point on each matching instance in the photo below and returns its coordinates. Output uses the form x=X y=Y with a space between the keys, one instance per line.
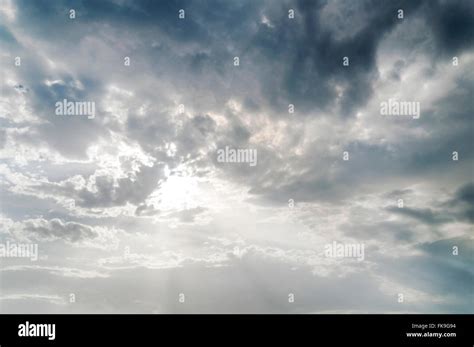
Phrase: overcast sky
x=131 y=208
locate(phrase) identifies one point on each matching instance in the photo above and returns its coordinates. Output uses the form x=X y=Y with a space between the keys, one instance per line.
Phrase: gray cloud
x=57 y=229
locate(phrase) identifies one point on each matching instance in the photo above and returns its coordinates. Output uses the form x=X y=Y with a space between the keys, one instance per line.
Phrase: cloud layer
x=132 y=209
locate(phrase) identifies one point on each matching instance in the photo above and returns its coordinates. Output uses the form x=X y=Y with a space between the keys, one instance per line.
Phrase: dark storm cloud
x=452 y=24
x=312 y=53
x=204 y=19
x=463 y=201
x=412 y=158
x=309 y=81
x=466 y=194
x=314 y=56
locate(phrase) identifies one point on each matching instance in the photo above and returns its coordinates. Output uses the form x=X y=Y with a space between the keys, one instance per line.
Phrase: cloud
x=56 y=229
x=143 y=174
x=459 y=207
x=426 y=216
x=47 y=232
x=188 y=215
x=464 y=199
x=104 y=190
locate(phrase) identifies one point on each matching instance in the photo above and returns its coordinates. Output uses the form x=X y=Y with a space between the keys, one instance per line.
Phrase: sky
x=132 y=211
